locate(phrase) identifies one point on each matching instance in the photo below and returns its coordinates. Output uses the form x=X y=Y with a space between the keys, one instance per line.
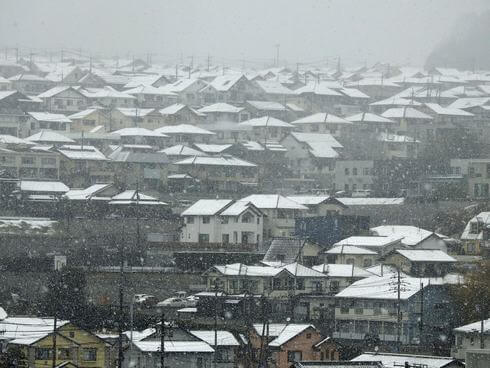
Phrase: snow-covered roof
x=183 y=129
x=3 y=314
x=396 y=101
x=412 y=235
x=134 y=112
x=132 y=196
x=6 y=139
x=47 y=116
x=273 y=201
x=353 y=92
x=76 y=152
x=474 y=327
x=140 y=335
x=405 y=113
x=322 y=88
x=220 y=107
x=181 y=150
x=447 y=111
x=212 y=148
x=43 y=186
x=321 y=118
x=309 y=200
x=206 y=207
x=349 y=249
x=174 y=346
x=266 y=121
x=54 y=91
x=222 y=160
x=236 y=209
x=105 y=92
x=82 y=114
x=267 y=105
x=369 y=117
x=133 y=132
x=469 y=102
x=348 y=201
x=482 y=220
x=270 y=145
x=274 y=87
x=398 y=360
x=223 y=83
x=342 y=270
x=370 y=241
x=143 y=80
x=425 y=255
x=28 y=327
x=87 y=193
x=49 y=136
x=376 y=287
x=149 y=90
x=320 y=145
x=282 y=332
x=224 y=338
x=172 y=109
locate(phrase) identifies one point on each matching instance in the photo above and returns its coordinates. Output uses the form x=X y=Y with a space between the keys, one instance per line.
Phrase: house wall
x=138 y=359
x=467 y=341
x=31 y=165
x=68 y=101
x=353 y=175
x=90 y=121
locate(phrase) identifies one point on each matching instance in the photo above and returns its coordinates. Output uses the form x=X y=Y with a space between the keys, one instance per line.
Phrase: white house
x=223 y=221
x=467 y=337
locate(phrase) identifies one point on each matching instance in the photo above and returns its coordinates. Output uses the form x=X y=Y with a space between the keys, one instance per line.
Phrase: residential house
x=152 y=97
x=449 y=119
x=222 y=111
x=223 y=172
x=180 y=114
x=267 y=128
x=49 y=138
x=5 y=84
x=412 y=237
x=312 y=156
x=319 y=205
x=350 y=254
x=267 y=108
x=222 y=221
x=280 y=283
x=393 y=360
x=88 y=119
x=317 y=96
x=323 y=122
x=274 y=90
x=370 y=307
x=81 y=166
x=420 y=262
x=63 y=99
x=45 y=120
x=376 y=87
x=475 y=236
x=478 y=178
x=378 y=244
x=341 y=275
x=185 y=133
x=230 y=88
x=468 y=337
x=188 y=90
x=30 y=84
x=142 y=164
x=368 y=122
x=411 y=122
x=280 y=212
x=283 y=251
x=291 y=343
x=75 y=346
x=227 y=348
x=140 y=136
x=354 y=176
x=153 y=80
x=108 y=97
x=227 y=132
x=19 y=159
x=180 y=151
x=181 y=350
x=134 y=117
x=394 y=146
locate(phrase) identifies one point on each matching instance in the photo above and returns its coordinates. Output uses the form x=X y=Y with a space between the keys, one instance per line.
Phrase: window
x=367 y=263
x=28 y=160
x=308 y=335
x=247 y=218
x=44 y=353
x=89 y=354
x=48 y=161
x=203 y=238
x=72 y=334
x=206 y=220
x=346 y=171
x=224 y=220
x=365 y=171
x=64 y=354
x=346 y=187
x=190 y=219
x=354 y=171
x=294 y=356
x=225 y=238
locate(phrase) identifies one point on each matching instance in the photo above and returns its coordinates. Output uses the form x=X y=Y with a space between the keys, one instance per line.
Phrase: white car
x=179 y=301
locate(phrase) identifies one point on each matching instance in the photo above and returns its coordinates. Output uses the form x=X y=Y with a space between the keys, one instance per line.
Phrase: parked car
x=145 y=300
x=180 y=300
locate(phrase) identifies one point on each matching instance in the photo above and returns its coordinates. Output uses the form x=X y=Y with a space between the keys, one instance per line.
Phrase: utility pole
x=277 y=54
x=398 y=311
x=162 y=340
x=209 y=62
x=215 y=323
x=55 y=317
x=121 y=300
x=138 y=221
x=421 y=324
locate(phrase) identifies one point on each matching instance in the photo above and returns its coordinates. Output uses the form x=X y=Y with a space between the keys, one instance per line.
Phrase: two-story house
x=63 y=99
x=420 y=262
x=468 y=337
x=223 y=221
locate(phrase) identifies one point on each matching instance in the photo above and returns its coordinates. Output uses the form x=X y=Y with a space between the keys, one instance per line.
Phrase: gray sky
x=228 y=30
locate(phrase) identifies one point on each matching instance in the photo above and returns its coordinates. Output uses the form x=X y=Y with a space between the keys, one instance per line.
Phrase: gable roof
x=281 y=332
x=405 y=113
x=425 y=255
x=412 y=235
x=284 y=249
x=224 y=338
x=349 y=249
x=50 y=137
x=183 y=129
x=321 y=117
x=369 y=117
x=342 y=270
x=206 y=207
x=273 y=201
x=266 y=121
x=396 y=360
x=224 y=83
x=222 y=160
x=182 y=150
